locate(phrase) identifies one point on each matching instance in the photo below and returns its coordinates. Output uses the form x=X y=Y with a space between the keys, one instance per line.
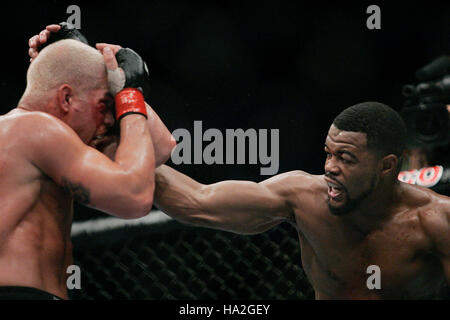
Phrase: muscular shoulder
x=431 y=213
x=41 y=123
x=37 y=135
x=20 y=130
x=29 y=124
x=298 y=188
x=435 y=219
x=296 y=181
x=42 y=130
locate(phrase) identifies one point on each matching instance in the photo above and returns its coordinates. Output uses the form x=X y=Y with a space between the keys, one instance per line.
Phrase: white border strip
x=103 y=224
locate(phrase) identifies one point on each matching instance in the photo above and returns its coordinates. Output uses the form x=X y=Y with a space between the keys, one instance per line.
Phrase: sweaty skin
x=403 y=229
x=41 y=167
x=46 y=164
x=35 y=244
x=163 y=141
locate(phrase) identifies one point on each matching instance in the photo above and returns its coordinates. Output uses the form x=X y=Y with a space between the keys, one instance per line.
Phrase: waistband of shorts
x=25 y=293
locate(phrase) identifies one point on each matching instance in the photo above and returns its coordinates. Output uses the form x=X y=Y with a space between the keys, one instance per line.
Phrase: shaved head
x=68 y=80
x=66 y=62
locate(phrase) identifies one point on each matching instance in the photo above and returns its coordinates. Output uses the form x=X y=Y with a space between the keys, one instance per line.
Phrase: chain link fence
x=174 y=261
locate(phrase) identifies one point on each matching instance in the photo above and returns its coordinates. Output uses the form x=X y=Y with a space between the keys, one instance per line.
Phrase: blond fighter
x=47 y=163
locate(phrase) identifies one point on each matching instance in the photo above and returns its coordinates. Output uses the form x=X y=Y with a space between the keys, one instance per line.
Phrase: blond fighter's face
x=92 y=114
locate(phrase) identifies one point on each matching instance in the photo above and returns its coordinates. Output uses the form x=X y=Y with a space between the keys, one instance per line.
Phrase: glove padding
x=128 y=83
x=67 y=31
x=135 y=69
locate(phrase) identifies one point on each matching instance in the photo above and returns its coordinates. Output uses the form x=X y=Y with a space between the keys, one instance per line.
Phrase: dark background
x=247 y=64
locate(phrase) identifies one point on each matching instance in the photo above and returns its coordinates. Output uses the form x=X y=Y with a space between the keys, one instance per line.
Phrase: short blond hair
x=66 y=62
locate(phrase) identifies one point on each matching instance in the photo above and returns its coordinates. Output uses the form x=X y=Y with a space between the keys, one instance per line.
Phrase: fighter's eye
x=102 y=107
x=346 y=160
x=106 y=104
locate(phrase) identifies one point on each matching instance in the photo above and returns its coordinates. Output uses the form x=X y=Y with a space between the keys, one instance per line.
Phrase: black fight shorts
x=25 y=293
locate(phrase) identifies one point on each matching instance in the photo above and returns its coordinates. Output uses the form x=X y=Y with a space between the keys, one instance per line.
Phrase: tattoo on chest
x=79 y=193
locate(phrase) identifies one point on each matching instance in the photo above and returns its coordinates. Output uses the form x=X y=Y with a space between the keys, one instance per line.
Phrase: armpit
x=79 y=193
x=291 y=219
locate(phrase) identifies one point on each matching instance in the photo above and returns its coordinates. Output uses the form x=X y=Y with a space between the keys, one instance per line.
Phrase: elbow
x=171 y=144
x=141 y=203
x=144 y=202
x=163 y=153
x=139 y=208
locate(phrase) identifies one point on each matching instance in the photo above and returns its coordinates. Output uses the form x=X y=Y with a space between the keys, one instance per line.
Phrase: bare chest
x=392 y=262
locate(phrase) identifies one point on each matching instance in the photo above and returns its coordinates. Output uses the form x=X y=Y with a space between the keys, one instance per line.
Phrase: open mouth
x=101 y=140
x=335 y=191
x=103 y=136
x=100 y=136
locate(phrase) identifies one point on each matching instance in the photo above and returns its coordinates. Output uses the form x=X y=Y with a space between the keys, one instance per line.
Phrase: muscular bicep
x=83 y=172
x=88 y=175
x=247 y=207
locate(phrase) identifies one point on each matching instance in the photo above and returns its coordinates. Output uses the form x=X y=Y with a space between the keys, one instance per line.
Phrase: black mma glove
x=135 y=69
x=67 y=31
x=129 y=83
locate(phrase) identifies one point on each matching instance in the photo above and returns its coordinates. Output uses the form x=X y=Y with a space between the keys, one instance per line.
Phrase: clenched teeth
x=332 y=185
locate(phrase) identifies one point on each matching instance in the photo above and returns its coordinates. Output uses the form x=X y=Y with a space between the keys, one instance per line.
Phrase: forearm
x=163 y=141
x=135 y=153
x=237 y=206
x=176 y=194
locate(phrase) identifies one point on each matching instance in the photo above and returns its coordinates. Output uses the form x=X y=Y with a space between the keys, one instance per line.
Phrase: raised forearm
x=163 y=141
x=135 y=153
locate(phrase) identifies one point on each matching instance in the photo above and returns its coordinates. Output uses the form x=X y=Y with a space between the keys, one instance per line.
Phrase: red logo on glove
x=130 y=100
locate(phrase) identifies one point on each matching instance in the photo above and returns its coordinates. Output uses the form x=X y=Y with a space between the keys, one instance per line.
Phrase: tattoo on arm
x=79 y=193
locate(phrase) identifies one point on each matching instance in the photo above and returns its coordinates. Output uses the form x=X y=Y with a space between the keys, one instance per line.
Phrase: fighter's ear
x=65 y=97
x=389 y=164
